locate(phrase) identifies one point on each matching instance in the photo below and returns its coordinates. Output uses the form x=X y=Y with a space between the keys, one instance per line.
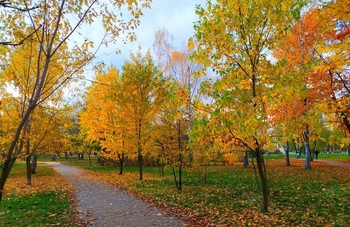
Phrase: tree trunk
x=89 y=155
x=121 y=163
x=287 y=154
x=245 y=160
x=28 y=157
x=348 y=150
x=140 y=161
x=180 y=177
x=5 y=173
x=307 y=148
x=29 y=170
x=34 y=163
x=162 y=170
x=262 y=174
x=175 y=179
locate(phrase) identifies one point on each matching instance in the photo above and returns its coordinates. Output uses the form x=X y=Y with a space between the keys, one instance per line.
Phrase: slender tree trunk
x=307 y=148
x=180 y=171
x=175 y=179
x=162 y=170
x=287 y=154
x=89 y=155
x=348 y=150
x=245 y=160
x=5 y=173
x=34 y=163
x=28 y=167
x=29 y=170
x=140 y=161
x=263 y=178
x=6 y=169
x=121 y=163
x=180 y=177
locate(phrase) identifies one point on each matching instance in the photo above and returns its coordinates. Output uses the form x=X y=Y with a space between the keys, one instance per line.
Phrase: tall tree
x=101 y=118
x=142 y=93
x=53 y=26
x=234 y=38
x=182 y=71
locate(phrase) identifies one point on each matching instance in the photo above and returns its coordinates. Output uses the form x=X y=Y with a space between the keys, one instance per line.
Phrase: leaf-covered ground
x=230 y=195
x=46 y=203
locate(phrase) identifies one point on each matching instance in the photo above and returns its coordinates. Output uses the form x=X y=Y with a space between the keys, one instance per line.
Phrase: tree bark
x=34 y=163
x=140 y=161
x=287 y=154
x=245 y=160
x=262 y=174
x=121 y=163
x=307 y=148
x=8 y=163
x=29 y=170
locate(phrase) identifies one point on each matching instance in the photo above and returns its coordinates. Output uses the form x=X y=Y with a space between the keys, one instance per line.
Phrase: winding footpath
x=100 y=204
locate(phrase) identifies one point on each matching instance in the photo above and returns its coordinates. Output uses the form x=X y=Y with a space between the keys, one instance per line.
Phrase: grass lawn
x=45 y=203
x=231 y=196
x=344 y=157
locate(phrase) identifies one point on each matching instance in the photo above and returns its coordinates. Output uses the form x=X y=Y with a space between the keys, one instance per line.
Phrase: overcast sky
x=177 y=16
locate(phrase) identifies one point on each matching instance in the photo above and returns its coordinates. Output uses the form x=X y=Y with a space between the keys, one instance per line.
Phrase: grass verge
x=45 y=203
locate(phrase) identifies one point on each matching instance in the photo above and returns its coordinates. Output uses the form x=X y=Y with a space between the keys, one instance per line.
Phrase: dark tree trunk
x=34 y=163
x=177 y=183
x=5 y=173
x=307 y=148
x=140 y=162
x=29 y=170
x=28 y=167
x=180 y=177
x=245 y=160
x=90 y=159
x=66 y=155
x=162 y=170
x=287 y=154
x=180 y=172
x=121 y=163
x=263 y=178
x=348 y=150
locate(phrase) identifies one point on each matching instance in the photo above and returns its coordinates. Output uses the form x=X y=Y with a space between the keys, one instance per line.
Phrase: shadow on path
x=100 y=204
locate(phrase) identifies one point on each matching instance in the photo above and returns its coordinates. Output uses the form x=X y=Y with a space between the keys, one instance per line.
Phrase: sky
x=176 y=16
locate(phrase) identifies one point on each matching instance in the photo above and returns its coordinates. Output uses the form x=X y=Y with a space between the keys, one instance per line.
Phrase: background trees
x=52 y=27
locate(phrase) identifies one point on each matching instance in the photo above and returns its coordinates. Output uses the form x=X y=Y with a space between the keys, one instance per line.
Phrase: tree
x=179 y=112
x=234 y=38
x=101 y=118
x=53 y=27
x=142 y=93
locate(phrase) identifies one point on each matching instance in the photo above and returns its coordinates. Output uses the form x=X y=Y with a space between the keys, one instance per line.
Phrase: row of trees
x=42 y=50
x=281 y=77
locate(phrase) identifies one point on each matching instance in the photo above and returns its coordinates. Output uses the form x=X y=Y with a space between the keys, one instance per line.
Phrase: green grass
x=321 y=156
x=40 y=208
x=47 y=208
x=231 y=195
